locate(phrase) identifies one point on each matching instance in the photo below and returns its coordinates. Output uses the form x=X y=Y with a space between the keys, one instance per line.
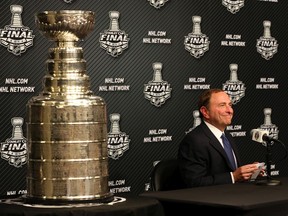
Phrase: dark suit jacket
x=202 y=159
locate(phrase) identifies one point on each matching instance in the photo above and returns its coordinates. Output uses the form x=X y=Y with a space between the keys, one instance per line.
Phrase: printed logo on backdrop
x=233 y=6
x=233 y=40
x=114 y=40
x=274 y=1
x=16 y=37
x=197 y=120
x=267 y=83
x=68 y=1
x=157 y=37
x=118 y=142
x=196 y=43
x=118 y=186
x=157 y=91
x=14 y=149
x=15 y=85
x=196 y=83
x=158 y=135
x=268 y=125
x=114 y=84
x=267 y=45
x=157 y=3
x=236 y=130
x=234 y=87
x=273 y=131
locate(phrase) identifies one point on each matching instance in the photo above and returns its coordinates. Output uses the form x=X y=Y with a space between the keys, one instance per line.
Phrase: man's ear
x=204 y=112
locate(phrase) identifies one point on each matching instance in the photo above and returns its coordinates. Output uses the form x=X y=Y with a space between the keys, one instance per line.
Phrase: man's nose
x=229 y=109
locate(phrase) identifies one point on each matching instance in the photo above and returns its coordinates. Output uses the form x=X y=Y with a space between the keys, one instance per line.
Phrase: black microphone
x=268 y=138
x=260 y=135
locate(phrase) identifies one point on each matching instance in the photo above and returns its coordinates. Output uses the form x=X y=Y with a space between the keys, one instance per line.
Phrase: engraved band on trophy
x=66 y=123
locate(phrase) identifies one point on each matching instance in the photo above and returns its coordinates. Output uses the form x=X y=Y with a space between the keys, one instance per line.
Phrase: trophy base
x=44 y=201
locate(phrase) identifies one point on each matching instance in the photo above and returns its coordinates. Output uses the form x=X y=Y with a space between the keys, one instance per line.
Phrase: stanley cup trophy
x=66 y=123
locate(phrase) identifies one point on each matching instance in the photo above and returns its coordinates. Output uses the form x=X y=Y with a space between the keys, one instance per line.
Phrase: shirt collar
x=217 y=133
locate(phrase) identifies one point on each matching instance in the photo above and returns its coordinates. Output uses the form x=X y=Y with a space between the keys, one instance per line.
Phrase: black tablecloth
x=233 y=199
x=130 y=206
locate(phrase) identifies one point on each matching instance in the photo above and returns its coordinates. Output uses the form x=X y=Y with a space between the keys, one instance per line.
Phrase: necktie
x=228 y=150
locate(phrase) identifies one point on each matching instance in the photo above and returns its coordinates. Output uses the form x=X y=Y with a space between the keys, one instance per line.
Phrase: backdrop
x=167 y=53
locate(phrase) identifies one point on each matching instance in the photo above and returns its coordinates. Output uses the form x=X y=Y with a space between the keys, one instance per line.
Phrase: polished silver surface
x=66 y=123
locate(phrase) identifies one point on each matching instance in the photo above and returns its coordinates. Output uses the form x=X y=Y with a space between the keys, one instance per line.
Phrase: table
x=130 y=206
x=232 y=199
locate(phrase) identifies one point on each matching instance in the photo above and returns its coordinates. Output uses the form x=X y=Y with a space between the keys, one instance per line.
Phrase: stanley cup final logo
x=266 y=45
x=118 y=142
x=234 y=87
x=16 y=37
x=157 y=90
x=268 y=125
x=157 y=3
x=196 y=43
x=233 y=6
x=113 y=40
x=14 y=149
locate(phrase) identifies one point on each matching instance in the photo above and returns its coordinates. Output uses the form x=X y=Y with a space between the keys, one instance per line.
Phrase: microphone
x=260 y=135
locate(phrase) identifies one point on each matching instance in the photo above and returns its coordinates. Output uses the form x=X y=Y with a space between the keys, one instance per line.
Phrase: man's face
x=219 y=112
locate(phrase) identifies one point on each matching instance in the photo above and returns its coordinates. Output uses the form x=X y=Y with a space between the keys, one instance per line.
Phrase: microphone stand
x=269 y=181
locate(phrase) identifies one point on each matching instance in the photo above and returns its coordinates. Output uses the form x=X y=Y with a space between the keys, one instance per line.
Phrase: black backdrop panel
x=156 y=32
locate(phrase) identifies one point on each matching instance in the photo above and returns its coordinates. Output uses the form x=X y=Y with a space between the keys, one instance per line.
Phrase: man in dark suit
x=202 y=157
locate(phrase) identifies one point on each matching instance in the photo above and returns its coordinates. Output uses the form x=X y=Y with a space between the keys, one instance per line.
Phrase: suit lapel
x=217 y=145
x=213 y=140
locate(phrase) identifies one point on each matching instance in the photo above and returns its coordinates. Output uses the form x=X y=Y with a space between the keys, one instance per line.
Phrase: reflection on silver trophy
x=66 y=123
